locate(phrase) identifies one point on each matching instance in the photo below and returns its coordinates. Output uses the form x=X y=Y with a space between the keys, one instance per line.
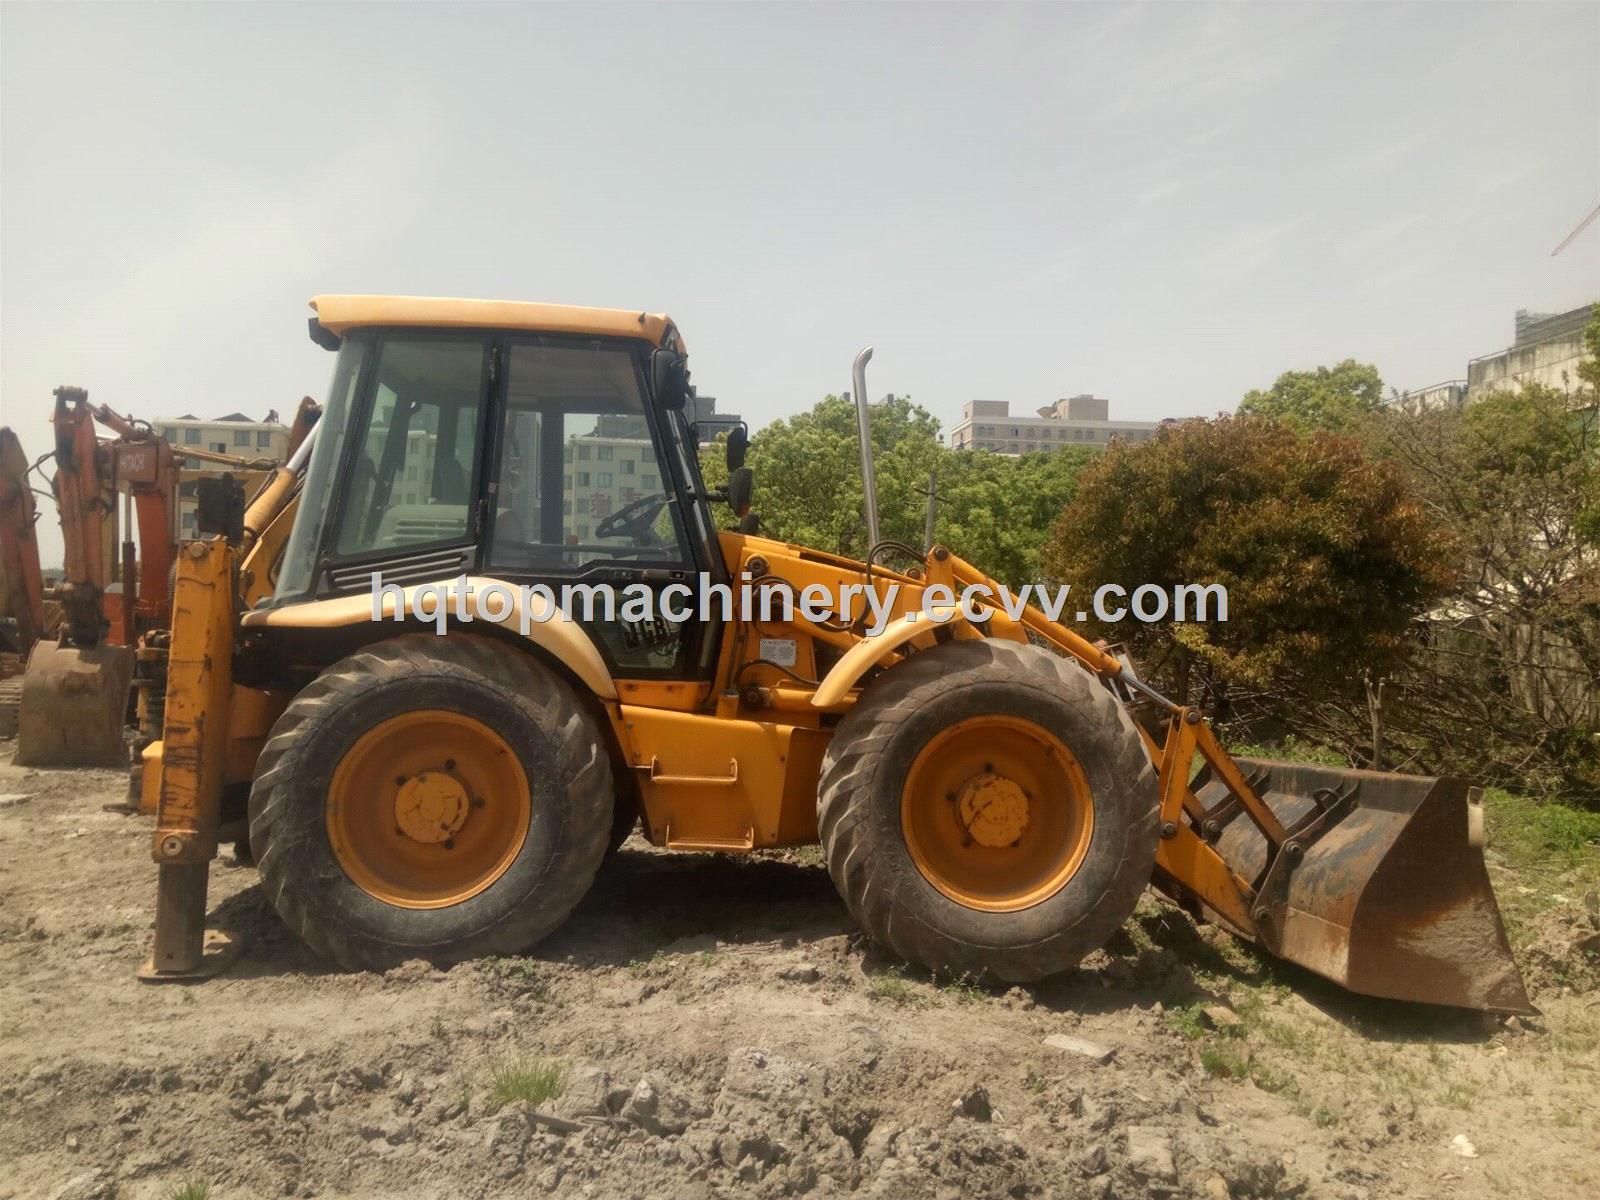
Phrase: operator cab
x=529 y=455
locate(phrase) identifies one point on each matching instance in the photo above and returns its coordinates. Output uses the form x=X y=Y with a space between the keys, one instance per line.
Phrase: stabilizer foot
x=219 y=951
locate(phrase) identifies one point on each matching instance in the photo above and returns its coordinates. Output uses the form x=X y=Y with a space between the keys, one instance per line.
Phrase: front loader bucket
x=74 y=705
x=1392 y=898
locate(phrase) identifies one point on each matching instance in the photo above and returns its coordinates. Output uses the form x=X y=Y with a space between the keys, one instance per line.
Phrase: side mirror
x=669 y=380
x=738 y=443
x=325 y=338
x=741 y=487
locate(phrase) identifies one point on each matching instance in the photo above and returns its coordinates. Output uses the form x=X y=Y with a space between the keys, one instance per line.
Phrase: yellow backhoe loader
x=991 y=794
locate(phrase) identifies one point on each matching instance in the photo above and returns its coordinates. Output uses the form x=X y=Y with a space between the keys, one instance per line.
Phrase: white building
x=234 y=434
x=606 y=470
x=1074 y=421
x=1450 y=394
x=1547 y=349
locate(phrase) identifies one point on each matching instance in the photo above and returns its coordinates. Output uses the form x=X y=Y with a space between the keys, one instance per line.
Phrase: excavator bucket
x=74 y=705
x=1384 y=890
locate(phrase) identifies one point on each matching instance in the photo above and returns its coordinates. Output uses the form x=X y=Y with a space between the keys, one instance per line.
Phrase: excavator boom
x=21 y=581
x=75 y=689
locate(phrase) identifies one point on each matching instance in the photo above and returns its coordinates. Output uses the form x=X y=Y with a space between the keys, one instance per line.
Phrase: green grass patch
x=1270 y=1079
x=963 y=989
x=641 y=967
x=892 y=985
x=517 y=975
x=526 y=1079
x=1187 y=1020
x=1551 y=851
x=190 y=1189
x=1535 y=836
x=1223 y=1062
x=1292 y=749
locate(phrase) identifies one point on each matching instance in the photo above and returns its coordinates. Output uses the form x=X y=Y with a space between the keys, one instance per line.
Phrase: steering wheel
x=634 y=521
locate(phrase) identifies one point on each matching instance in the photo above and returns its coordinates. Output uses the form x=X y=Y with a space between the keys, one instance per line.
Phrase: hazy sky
x=1164 y=205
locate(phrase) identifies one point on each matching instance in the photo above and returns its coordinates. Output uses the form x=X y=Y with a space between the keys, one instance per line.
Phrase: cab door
x=583 y=492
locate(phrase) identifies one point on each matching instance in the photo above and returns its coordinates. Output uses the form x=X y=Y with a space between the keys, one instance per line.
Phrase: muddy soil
x=714 y=1026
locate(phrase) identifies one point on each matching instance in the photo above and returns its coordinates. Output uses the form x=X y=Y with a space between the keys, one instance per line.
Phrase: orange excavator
x=75 y=690
x=22 y=608
x=74 y=695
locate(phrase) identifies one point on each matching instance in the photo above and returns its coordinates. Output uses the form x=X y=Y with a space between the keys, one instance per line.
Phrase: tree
x=1507 y=687
x=992 y=510
x=1589 y=368
x=1327 y=398
x=808 y=474
x=1326 y=555
x=996 y=512
x=1587 y=523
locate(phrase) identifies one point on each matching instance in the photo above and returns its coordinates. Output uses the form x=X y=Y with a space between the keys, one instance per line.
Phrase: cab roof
x=339 y=314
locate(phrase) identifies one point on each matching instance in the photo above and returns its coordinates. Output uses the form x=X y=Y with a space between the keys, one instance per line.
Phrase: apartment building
x=1082 y=420
x=613 y=465
x=234 y=434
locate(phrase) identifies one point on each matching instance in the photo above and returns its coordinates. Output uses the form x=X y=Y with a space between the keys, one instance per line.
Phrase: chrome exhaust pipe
x=869 y=486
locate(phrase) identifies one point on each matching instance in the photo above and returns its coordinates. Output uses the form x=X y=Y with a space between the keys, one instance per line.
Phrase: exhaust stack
x=869 y=486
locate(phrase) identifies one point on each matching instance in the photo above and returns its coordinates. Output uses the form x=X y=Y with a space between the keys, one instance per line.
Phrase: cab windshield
x=298 y=571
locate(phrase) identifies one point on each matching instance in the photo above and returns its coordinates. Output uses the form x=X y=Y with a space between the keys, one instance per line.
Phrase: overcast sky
x=1165 y=205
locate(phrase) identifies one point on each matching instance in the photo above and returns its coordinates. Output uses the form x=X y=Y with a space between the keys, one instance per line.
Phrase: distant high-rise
x=1082 y=420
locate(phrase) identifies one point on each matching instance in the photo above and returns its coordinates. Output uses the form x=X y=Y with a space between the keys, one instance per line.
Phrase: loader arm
x=1374 y=880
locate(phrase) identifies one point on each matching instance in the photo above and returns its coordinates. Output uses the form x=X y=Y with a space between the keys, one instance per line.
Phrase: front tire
x=430 y=797
x=988 y=809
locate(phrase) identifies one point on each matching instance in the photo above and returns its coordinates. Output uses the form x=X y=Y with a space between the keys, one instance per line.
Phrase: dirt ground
x=716 y=1027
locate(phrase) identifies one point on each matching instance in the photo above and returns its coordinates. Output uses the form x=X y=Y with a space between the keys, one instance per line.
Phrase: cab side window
x=580 y=477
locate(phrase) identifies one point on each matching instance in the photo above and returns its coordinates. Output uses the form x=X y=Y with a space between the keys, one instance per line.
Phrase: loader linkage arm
x=1374 y=880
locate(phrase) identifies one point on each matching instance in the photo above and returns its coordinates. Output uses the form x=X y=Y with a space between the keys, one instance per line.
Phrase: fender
x=870 y=651
x=546 y=627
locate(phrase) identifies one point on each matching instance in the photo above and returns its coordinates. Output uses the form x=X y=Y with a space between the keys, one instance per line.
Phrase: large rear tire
x=988 y=809
x=428 y=797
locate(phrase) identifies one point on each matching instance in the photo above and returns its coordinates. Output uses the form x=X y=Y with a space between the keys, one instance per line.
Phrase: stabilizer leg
x=188 y=781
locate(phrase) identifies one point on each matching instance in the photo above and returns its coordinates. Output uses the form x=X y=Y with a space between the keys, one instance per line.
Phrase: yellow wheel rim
x=428 y=809
x=996 y=813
